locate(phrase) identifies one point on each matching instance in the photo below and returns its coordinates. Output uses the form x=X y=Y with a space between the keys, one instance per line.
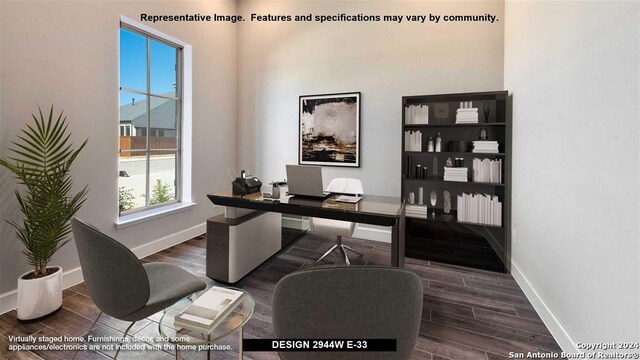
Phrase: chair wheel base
x=343 y=250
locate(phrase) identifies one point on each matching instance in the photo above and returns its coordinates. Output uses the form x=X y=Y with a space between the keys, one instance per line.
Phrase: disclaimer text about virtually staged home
x=323 y=18
x=137 y=343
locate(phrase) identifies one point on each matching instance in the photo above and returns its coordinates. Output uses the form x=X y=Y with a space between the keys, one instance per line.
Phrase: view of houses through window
x=150 y=100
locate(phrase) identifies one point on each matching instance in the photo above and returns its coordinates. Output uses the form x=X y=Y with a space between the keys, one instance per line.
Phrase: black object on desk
x=246 y=185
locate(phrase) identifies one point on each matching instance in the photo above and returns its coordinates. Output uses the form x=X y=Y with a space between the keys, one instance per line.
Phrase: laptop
x=306 y=181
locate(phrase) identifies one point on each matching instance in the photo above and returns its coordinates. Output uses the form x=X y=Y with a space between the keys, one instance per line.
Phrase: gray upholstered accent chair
x=120 y=285
x=349 y=303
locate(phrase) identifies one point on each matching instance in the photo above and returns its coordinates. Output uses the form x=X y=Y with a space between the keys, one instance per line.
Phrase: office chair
x=120 y=285
x=355 y=302
x=338 y=227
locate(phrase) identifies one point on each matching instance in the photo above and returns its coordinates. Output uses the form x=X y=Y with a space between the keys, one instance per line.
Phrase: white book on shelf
x=412 y=114
x=482 y=207
x=494 y=205
x=425 y=114
x=487 y=209
x=470 y=212
x=498 y=215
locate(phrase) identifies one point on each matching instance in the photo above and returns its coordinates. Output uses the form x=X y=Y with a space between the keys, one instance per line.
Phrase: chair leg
x=342 y=248
x=350 y=248
x=344 y=253
x=88 y=332
x=94 y=324
x=123 y=337
x=325 y=254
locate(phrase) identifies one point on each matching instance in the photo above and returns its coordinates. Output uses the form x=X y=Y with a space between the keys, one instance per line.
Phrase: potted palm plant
x=41 y=163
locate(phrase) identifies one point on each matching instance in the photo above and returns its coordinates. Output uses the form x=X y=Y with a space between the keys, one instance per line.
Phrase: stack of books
x=416 y=211
x=485 y=146
x=480 y=209
x=416 y=115
x=412 y=141
x=467 y=116
x=455 y=174
x=209 y=309
x=487 y=170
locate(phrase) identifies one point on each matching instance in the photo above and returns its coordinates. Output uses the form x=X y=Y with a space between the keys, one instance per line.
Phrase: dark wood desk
x=372 y=209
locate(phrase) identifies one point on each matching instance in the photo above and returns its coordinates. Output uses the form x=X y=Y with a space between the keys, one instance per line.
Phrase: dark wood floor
x=468 y=313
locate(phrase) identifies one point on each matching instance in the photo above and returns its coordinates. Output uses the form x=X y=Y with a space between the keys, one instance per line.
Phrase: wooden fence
x=139 y=143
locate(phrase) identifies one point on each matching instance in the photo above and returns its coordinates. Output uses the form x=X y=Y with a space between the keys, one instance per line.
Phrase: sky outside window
x=133 y=65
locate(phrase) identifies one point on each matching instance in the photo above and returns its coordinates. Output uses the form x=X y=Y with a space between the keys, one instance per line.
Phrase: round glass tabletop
x=231 y=322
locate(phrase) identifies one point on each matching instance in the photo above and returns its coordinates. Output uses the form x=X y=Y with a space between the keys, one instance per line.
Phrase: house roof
x=163 y=113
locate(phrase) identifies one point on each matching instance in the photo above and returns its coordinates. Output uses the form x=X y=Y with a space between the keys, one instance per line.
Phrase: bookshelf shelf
x=453 y=125
x=440 y=113
x=449 y=218
x=454 y=153
x=441 y=180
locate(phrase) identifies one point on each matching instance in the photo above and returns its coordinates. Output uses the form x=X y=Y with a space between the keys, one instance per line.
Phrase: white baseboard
x=9 y=300
x=372 y=232
x=560 y=334
x=169 y=240
x=295 y=223
x=362 y=231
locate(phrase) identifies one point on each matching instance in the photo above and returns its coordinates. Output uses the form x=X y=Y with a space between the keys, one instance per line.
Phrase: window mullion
x=148 y=162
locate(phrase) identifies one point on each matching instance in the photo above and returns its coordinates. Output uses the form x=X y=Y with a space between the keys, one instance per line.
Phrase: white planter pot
x=41 y=296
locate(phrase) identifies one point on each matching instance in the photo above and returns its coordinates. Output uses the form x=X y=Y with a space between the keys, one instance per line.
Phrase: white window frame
x=126 y=128
x=183 y=192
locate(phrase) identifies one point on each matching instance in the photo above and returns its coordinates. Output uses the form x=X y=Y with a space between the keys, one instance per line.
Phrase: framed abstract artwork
x=329 y=130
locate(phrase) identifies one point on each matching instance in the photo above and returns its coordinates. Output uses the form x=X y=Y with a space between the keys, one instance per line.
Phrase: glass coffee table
x=186 y=339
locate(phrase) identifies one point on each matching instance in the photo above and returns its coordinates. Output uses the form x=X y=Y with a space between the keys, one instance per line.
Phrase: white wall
x=573 y=69
x=384 y=61
x=66 y=53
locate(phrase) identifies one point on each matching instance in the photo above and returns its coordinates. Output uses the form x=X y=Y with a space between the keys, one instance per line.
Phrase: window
x=151 y=120
x=125 y=129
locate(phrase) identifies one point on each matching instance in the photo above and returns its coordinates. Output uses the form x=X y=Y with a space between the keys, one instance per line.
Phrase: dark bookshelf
x=451 y=231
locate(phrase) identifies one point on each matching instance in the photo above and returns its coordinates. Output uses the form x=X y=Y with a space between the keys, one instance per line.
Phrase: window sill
x=140 y=217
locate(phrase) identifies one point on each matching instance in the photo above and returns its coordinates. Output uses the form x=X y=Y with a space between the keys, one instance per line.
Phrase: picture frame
x=329 y=129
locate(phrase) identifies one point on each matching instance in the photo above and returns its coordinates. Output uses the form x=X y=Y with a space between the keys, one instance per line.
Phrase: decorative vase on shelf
x=447 y=202
x=486 y=108
x=434 y=201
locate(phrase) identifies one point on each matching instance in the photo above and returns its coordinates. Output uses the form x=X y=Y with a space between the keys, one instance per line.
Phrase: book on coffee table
x=209 y=309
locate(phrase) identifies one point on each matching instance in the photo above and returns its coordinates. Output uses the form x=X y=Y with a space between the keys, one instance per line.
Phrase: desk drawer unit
x=237 y=246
